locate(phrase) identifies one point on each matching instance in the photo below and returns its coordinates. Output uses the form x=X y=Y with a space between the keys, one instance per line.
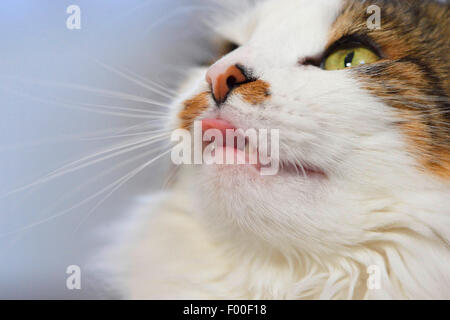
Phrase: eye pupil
x=232 y=46
x=349 y=59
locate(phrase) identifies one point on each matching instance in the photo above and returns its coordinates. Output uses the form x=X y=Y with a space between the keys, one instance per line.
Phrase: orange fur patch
x=254 y=92
x=404 y=86
x=433 y=156
x=193 y=108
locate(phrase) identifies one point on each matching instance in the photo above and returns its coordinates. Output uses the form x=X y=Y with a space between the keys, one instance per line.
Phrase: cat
x=360 y=207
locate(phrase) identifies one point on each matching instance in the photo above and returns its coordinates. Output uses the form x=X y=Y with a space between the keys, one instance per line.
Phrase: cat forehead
x=296 y=17
x=302 y=24
x=306 y=28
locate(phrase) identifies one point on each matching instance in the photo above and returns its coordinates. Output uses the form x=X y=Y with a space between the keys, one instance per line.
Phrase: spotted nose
x=223 y=79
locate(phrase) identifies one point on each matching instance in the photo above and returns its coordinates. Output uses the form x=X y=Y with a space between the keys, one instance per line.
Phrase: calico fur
x=379 y=132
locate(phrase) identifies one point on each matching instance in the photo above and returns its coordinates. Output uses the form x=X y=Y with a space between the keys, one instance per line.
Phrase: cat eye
x=228 y=47
x=224 y=48
x=349 y=57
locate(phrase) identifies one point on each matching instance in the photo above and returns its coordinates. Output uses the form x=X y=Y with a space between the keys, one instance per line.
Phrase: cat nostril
x=223 y=81
x=231 y=82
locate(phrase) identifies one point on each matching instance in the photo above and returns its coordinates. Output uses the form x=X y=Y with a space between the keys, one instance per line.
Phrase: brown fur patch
x=413 y=75
x=193 y=108
x=434 y=157
x=254 y=92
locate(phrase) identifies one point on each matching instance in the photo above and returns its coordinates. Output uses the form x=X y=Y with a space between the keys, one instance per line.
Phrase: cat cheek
x=192 y=108
x=433 y=157
x=421 y=116
x=255 y=92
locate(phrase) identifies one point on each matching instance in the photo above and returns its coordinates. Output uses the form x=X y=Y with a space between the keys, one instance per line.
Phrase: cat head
x=362 y=114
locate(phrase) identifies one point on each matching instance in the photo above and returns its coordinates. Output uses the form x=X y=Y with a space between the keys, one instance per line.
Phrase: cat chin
x=245 y=178
x=238 y=199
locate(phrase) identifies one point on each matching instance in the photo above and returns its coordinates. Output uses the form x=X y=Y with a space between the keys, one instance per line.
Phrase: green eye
x=349 y=58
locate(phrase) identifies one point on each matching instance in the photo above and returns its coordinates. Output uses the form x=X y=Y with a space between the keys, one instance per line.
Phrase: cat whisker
x=109 y=107
x=135 y=79
x=92 y=108
x=139 y=126
x=113 y=186
x=99 y=91
x=82 y=163
x=176 y=13
x=171 y=177
x=96 y=177
x=144 y=133
x=169 y=91
x=63 y=138
x=125 y=149
x=120 y=182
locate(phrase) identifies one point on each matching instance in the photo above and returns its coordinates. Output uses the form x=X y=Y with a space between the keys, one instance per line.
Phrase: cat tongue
x=223 y=126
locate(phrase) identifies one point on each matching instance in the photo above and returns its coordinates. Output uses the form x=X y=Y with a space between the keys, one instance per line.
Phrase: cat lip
x=241 y=152
x=304 y=170
x=245 y=152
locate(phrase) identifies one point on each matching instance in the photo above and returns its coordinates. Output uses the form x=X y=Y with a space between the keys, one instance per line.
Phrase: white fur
x=228 y=233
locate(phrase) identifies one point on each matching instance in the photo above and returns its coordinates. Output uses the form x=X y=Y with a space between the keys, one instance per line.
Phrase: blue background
x=155 y=39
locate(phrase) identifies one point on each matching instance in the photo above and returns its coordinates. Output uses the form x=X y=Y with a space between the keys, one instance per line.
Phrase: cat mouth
x=240 y=150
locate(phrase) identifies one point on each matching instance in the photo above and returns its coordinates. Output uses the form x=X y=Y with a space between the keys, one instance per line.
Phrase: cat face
x=362 y=116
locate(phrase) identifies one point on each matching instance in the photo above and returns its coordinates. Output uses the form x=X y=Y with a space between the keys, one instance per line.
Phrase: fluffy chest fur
x=378 y=133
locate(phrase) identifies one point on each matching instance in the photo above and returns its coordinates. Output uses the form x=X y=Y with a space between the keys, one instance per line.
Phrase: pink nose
x=223 y=79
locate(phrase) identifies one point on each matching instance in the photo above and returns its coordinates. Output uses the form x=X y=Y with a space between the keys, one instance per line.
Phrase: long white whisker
x=86 y=108
x=169 y=91
x=64 y=138
x=124 y=135
x=95 y=178
x=123 y=180
x=117 y=183
x=133 y=79
x=175 y=13
x=105 y=92
x=126 y=109
x=127 y=147
x=68 y=169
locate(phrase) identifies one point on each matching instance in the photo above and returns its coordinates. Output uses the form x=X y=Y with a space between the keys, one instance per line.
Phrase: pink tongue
x=218 y=124
x=223 y=126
